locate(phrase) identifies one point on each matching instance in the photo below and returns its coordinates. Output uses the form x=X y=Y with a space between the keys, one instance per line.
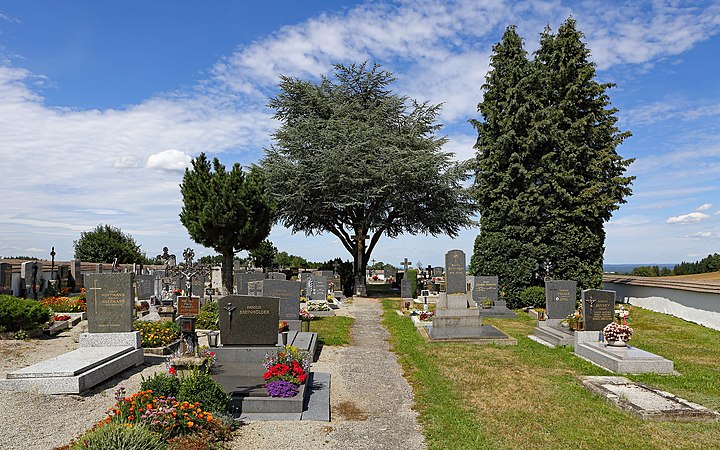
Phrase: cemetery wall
x=698 y=307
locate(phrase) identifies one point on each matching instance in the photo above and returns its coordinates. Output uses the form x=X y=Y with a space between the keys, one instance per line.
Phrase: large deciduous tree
x=105 y=243
x=225 y=210
x=354 y=159
x=549 y=175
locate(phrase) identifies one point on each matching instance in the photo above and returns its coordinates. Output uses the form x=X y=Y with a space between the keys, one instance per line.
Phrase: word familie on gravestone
x=110 y=302
x=248 y=320
x=560 y=298
x=598 y=308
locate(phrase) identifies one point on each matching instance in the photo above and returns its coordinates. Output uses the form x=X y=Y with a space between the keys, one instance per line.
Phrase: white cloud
x=170 y=160
x=688 y=218
x=704 y=207
x=703 y=235
x=629 y=221
x=126 y=162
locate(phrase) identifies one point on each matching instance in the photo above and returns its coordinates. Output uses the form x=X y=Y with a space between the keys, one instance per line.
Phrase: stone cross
x=336 y=266
x=406 y=264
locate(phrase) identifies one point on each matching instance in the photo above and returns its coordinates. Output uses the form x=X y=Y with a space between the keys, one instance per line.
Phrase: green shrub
x=532 y=296
x=199 y=386
x=119 y=436
x=411 y=275
x=161 y=384
x=20 y=335
x=208 y=319
x=19 y=314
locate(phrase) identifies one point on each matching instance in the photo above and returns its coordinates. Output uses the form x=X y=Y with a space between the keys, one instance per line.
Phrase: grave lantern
x=187 y=324
x=212 y=337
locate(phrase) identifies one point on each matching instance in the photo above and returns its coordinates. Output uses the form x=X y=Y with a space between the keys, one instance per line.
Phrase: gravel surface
x=371 y=401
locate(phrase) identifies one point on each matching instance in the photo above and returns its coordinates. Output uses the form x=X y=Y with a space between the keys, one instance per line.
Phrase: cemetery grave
x=560 y=299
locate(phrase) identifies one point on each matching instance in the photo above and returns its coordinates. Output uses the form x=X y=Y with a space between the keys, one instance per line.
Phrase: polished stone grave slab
x=619 y=359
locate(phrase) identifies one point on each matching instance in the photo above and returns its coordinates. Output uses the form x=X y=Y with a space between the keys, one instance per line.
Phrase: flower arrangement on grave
x=64 y=304
x=157 y=334
x=61 y=317
x=303 y=299
x=178 y=291
x=617 y=332
x=426 y=316
x=622 y=313
x=305 y=314
x=283 y=326
x=285 y=371
x=317 y=305
x=390 y=280
x=574 y=320
x=329 y=298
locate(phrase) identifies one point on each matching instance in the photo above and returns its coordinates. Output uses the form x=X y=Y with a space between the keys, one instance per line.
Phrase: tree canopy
x=225 y=210
x=356 y=160
x=105 y=243
x=263 y=255
x=548 y=174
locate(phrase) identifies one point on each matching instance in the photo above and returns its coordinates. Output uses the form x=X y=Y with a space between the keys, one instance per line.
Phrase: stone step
x=554 y=336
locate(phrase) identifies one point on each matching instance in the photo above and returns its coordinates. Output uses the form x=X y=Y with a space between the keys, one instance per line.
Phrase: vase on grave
x=616 y=343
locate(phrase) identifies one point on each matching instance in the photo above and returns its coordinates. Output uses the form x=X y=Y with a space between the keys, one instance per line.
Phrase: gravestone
x=248 y=320
x=304 y=277
x=188 y=306
x=277 y=276
x=76 y=274
x=145 y=286
x=216 y=278
x=390 y=272
x=455 y=272
x=318 y=287
x=560 y=298
x=98 y=268
x=324 y=273
x=198 y=286
x=110 y=302
x=437 y=271
x=406 y=289
x=28 y=270
x=289 y=294
x=5 y=278
x=244 y=278
x=485 y=287
x=598 y=308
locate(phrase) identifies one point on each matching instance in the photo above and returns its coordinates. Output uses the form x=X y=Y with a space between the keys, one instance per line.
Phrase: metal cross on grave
x=230 y=308
x=95 y=289
x=406 y=264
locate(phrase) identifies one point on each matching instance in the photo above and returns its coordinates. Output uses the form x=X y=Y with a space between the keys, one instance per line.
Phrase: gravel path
x=371 y=401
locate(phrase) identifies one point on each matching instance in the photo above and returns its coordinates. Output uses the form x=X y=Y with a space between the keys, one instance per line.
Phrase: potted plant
x=285 y=371
x=541 y=313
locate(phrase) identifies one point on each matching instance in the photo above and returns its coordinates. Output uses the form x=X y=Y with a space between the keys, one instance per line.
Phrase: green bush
x=208 y=319
x=161 y=384
x=199 y=386
x=411 y=275
x=19 y=314
x=118 y=436
x=532 y=296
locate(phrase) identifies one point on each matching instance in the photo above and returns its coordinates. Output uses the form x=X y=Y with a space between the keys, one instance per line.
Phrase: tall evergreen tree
x=225 y=210
x=548 y=172
x=507 y=195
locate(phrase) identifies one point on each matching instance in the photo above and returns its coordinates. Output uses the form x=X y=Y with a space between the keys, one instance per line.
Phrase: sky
x=104 y=104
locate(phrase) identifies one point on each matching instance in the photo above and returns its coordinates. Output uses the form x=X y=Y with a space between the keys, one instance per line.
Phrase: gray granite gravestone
x=249 y=320
x=304 y=277
x=485 y=287
x=287 y=291
x=5 y=278
x=405 y=288
x=324 y=273
x=198 y=286
x=455 y=272
x=277 y=276
x=598 y=308
x=390 y=272
x=76 y=273
x=319 y=286
x=110 y=302
x=560 y=298
x=244 y=278
x=437 y=271
x=145 y=286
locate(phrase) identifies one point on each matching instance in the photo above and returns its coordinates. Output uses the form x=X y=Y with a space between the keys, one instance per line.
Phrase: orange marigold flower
x=190 y=423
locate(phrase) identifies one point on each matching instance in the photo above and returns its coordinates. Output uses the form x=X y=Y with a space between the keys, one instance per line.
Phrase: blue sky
x=103 y=104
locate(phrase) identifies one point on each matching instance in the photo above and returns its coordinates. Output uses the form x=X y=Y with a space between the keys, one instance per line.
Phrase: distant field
x=710 y=276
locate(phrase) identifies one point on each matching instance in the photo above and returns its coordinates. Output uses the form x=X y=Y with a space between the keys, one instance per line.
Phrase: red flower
x=172 y=370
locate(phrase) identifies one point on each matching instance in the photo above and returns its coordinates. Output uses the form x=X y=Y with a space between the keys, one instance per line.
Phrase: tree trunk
x=227 y=272
x=359 y=267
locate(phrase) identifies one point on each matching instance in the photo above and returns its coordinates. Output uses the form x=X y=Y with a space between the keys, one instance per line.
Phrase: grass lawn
x=333 y=330
x=527 y=396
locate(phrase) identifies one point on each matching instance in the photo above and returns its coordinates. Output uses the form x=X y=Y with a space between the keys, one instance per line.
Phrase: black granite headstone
x=560 y=298
x=248 y=320
x=110 y=302
x=485 y=287
x=5 y=278
x=455 y=272
x=598 y=308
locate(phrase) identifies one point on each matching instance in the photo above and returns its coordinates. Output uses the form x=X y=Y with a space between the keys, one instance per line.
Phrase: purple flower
x=281 y=388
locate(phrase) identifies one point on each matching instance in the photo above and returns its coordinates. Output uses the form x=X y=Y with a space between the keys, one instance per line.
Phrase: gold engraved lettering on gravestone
x=255 y=312
x=563 y=295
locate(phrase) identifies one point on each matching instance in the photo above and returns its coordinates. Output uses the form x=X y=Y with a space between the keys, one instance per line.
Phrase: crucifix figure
x=230 y=308
x=406 y=264
x=95 y=289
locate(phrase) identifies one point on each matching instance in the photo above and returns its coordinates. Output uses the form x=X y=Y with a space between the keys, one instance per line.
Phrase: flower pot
x=616 y=343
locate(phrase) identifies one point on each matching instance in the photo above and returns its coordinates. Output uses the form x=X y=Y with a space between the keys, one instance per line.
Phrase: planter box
x=167 y=350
